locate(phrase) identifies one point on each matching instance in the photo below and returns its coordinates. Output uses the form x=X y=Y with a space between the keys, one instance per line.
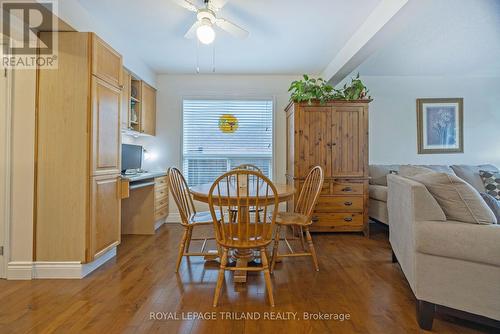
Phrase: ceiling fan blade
x=232 y=28
x=217 y=4
x=186 y=4
x=191 y=33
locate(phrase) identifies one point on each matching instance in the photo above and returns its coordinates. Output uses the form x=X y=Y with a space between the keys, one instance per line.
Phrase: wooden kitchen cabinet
x=148 y=111
x=105 y=212
x=78 y=151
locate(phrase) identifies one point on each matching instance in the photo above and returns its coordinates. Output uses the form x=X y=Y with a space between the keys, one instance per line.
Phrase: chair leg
x=311 y=248
x=267 y=276
x=220 y=278
x=302 y=242
x=188 y=241
x=182 y=245
x=275 y=248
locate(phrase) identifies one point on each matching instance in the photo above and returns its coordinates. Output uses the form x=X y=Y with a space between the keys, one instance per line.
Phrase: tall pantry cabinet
x=78 y=151
x=334 y=136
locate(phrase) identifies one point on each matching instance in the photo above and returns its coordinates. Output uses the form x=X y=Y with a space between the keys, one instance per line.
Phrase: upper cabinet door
x=315 y=139
x=106 y=133
x=148 y=112
x=350 y=141
x=106 y=62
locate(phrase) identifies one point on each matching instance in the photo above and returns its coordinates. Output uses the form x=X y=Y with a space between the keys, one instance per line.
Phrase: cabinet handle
x=315 y=219
x=346 y=189
x=347 y=203
x=348 y=219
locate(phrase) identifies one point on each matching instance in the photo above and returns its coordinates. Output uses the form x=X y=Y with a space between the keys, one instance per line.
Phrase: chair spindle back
x=180 y=191
x=239 y=190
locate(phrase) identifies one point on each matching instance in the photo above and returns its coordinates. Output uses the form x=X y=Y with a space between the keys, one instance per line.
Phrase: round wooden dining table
x=285 y=193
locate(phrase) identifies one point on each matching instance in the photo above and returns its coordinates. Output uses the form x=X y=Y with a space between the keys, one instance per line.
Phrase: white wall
x=167 y=144
x=393 y=124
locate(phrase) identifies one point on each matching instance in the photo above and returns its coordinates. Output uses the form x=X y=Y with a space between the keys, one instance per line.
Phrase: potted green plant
x=310 y=89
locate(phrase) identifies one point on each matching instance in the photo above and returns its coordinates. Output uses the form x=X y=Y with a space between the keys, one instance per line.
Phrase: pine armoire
x=333 y=135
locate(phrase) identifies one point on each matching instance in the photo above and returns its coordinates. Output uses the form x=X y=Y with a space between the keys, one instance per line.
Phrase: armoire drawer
x=346 y=188
x=338 y=219
x=340 y=204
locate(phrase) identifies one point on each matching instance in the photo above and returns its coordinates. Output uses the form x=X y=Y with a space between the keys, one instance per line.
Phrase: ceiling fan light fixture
x=206 y=33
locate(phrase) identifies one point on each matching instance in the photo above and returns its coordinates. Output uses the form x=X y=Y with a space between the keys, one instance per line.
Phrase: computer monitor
x=131 y=157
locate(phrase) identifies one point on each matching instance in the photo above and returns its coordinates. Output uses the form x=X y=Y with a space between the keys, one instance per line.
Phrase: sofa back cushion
x=458 y=199
x=378 y=173
x=411 y=170
x=493 y=203
x=470 y=174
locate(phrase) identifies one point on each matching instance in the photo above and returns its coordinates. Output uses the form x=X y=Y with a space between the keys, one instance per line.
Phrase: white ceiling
x=443 y=38
x=286 y=36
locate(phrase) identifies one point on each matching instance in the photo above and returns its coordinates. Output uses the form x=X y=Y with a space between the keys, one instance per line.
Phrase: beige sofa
x=446 y=263
x=377 y=209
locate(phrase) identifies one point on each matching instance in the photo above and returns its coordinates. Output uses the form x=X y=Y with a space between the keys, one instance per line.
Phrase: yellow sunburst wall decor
x=228 y=123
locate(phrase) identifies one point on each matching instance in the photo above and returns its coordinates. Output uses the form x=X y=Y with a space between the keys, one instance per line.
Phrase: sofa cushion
x=491 y=181
x=411 y=170
x=378 y=192
x=457 y=198
x=471 y=174
x=378 y=173
x=477 y=243
x=493 y=203
x=439 y=168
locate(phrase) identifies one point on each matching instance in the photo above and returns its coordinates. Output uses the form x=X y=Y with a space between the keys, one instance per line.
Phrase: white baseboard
x=20 y=270
x=173 y=217
x=55 y=270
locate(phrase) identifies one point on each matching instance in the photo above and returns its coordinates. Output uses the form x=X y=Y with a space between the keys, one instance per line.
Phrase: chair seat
x=292 y=218
x=204 y=217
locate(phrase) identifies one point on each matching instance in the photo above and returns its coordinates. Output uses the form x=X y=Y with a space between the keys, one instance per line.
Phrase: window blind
x=219 y=135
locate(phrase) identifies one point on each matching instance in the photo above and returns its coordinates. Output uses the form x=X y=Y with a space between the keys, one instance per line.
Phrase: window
x=219 y=135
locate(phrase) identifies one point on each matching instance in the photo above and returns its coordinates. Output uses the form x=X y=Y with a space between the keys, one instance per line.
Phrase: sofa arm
x=408 y=202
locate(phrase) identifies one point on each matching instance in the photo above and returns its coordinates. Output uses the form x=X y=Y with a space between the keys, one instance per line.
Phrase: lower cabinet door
x=105 y=214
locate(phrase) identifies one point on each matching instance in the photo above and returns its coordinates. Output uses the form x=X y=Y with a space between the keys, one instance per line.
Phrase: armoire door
x=350 y=141
x=106 y=133
x=315 y=139
x=105 y=214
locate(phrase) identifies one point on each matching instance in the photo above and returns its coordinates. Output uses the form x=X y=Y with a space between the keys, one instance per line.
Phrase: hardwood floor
x=356 y=278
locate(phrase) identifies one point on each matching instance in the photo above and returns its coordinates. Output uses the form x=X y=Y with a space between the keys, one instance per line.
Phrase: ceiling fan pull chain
x=213 y=58
x=197 y=57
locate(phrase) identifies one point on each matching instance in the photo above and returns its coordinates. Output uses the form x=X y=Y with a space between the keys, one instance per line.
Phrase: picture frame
x=440 y=125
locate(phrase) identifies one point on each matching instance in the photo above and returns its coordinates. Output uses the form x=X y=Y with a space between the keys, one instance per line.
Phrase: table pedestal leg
x=242 y=259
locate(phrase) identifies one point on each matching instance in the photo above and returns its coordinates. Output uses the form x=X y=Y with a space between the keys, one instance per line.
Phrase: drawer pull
x=347 y=203
x=314 y=219
x=347 y=189
x=348 y=219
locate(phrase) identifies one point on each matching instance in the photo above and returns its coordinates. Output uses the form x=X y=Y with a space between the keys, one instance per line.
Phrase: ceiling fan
x=207 y=18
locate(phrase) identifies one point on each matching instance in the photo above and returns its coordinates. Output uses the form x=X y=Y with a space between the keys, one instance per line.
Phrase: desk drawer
x=161 y=213
x=161 y=180
x=161 y=202
x=340 y=204
x=161 y=193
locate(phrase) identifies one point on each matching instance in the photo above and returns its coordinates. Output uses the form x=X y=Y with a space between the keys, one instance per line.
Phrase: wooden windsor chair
x=241 y=190
x=190 y=218
x=301 y=218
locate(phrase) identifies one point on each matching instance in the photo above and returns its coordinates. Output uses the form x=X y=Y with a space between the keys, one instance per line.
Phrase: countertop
x=144 y=176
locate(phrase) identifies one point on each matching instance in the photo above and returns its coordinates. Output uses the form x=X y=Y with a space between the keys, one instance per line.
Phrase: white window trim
x=229 y=97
